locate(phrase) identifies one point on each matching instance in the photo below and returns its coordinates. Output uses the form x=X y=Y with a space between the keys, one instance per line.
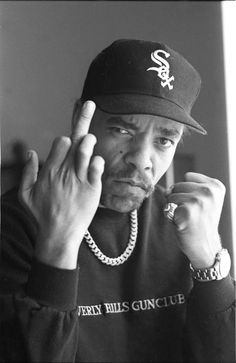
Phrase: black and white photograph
x=118 y=174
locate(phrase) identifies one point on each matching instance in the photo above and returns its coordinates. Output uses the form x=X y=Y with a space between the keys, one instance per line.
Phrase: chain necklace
x=129 y=249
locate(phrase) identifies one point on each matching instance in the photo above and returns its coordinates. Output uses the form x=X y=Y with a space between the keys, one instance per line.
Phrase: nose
x=139 y=155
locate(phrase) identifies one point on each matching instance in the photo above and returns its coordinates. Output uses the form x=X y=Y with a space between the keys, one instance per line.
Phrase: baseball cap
x=143 y=77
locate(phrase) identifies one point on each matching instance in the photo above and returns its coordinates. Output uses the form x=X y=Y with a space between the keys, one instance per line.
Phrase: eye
x=122 y=131
x=164 y=142
x=119 y=130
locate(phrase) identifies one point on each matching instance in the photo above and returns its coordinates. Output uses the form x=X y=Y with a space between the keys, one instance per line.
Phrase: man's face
x=137 y=150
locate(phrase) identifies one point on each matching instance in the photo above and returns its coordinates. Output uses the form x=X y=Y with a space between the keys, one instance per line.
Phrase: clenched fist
x=64 y=196
x=200 y=201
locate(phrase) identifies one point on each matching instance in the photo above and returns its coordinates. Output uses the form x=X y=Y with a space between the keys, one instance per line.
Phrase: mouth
x=133 y=183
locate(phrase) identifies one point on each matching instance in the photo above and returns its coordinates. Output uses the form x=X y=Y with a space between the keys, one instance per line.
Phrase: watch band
x=218 y=271
x=207 y=274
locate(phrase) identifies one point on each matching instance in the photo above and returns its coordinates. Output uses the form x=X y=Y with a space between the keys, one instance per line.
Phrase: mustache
x=132 y=177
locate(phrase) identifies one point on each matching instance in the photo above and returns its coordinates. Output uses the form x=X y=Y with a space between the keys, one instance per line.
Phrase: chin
x=121 y=204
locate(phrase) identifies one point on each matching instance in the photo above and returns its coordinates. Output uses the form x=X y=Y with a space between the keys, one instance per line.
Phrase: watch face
x=224 y=263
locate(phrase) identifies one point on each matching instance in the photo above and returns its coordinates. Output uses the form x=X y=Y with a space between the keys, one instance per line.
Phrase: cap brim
x=145 y=104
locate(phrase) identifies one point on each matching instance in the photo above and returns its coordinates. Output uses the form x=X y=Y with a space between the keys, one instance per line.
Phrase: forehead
x=141 y=122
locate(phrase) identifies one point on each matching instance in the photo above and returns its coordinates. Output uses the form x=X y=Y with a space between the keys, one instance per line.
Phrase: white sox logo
x=164 y=68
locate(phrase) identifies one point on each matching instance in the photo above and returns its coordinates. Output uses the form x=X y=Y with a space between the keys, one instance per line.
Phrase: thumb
x=29 y=176
x=181 y=218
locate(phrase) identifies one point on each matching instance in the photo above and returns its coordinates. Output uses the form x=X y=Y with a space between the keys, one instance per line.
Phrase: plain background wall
x=46 y=48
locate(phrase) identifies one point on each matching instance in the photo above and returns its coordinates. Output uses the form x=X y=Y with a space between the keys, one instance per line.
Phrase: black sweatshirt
x=145 y=310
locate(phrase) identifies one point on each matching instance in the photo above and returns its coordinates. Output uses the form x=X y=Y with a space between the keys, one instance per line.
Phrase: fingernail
x=29 y=155
x=88 y=105
x=85 y=105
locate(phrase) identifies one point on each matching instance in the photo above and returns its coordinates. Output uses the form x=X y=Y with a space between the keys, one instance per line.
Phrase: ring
x=169 y=210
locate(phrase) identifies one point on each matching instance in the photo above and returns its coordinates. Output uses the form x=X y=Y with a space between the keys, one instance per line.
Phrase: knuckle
x=62 y=140
x=218 y=184
x=83 y=151
x=85 y=117
x=90 y=138
x=194 y=199
x=87 y=144
x=97 y=163
x=206 y=190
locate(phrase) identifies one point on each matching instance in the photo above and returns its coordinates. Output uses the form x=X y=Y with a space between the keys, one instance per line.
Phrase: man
x=100 y=264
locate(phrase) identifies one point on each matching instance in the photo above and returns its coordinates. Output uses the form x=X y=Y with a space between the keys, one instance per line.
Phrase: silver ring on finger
x=169 y=211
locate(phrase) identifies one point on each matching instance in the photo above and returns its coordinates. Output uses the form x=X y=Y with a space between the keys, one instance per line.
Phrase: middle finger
x=82 y=125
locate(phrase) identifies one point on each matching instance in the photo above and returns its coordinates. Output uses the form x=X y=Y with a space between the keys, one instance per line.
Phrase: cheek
x=111 y=153
x=161 y=164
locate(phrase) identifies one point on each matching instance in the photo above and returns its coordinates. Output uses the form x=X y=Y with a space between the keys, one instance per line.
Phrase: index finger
x=81 y=127
x=197 y=177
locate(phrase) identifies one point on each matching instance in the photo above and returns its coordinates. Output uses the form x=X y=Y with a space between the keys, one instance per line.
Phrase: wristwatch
x=218 y=271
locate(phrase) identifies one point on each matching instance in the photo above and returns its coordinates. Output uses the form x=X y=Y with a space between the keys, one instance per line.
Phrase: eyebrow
x=129 y=125
x=169 y=132
x=117 y=120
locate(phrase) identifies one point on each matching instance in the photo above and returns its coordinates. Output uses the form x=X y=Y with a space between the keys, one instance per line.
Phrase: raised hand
x=200 y=201
x=63 y=197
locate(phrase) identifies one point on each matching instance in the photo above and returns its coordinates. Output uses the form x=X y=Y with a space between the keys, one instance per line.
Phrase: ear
x=76 y=112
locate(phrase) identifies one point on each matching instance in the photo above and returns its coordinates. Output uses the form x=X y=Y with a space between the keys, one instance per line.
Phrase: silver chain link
x=129 y=249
